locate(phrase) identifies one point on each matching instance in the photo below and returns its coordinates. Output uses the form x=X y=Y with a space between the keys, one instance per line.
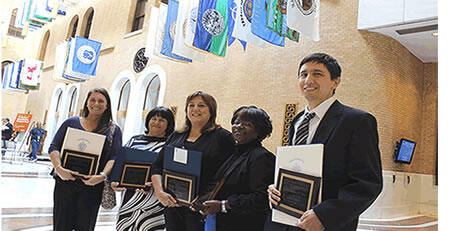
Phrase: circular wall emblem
x=306 y=7
x=213 y=22
x=140 y=61
x=86 y=54
x=247 y=8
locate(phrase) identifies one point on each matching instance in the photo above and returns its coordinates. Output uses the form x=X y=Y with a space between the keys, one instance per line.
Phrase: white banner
x=303 y=16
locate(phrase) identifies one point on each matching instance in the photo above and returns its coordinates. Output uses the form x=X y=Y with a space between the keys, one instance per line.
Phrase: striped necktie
x=303 y=129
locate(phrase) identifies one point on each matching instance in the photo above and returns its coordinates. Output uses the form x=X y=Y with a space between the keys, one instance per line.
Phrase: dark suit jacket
x=352 y=170
x=249 y=171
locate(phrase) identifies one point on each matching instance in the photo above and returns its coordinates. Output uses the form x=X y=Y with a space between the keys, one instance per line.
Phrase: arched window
x=138 y=17
x=4 y=64
x=151 y=97
x=12 y=30
x=72 y=27
x=52 y=121
x=43 y=46
x=86 y=23
x=72 y=102
x=123 y=104
x=58 y=104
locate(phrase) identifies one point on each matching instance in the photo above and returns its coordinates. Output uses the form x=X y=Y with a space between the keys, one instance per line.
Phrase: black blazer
x=352 y=169
x=252 y=170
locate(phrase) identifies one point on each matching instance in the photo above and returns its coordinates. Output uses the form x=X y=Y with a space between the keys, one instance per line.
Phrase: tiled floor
x=26 y=200
x=26 y=203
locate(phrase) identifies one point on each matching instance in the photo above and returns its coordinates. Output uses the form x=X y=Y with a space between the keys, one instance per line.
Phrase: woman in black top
x=76 y=201
x=242 y=202
x=202 y=134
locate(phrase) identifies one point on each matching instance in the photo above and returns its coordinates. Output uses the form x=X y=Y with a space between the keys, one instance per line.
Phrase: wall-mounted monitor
x=404 y=151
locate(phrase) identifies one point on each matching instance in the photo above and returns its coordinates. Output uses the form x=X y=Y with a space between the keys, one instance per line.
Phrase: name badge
x=180 y=156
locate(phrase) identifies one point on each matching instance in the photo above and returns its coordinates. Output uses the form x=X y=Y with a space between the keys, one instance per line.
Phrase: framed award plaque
x=135 y=175
x=81 y=162
x=299 y=192
x=181 y=186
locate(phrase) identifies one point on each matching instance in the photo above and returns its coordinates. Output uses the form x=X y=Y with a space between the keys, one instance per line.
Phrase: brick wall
x=379 y=76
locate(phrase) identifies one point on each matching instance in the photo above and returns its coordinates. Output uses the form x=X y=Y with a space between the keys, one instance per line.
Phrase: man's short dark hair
x=329 y=62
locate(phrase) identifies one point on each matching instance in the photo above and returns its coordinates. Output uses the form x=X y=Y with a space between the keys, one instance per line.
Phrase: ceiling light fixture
x=435 y=34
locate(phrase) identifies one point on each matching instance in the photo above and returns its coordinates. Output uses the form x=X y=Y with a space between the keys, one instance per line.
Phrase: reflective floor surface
x=26 y=202
x=27 y=197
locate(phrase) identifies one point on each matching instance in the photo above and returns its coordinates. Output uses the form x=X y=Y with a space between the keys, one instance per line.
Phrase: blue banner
x=169 y=32
x=232 y=11
x=85 y=56
x=259 y=19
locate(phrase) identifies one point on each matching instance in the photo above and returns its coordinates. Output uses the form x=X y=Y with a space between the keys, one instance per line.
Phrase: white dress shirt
x=320 y=111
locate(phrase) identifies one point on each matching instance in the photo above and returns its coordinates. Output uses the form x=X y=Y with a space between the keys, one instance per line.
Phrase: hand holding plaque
x=180 y=186
x=299 y=192
x=133 y=168
x=81 y=151
x=135 y=175
x=81 y=162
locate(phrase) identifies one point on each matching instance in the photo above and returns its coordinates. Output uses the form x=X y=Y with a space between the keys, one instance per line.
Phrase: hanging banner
x=30 y=74
x=212 y=26
x=259 y=21
x=82 y=58
x=11 y=78
x=303 y=16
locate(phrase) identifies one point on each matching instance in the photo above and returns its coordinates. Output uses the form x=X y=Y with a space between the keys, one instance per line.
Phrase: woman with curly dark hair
x=242 y=203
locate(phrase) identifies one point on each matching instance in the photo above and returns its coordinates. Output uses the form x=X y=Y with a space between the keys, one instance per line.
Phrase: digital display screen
x=405 y=152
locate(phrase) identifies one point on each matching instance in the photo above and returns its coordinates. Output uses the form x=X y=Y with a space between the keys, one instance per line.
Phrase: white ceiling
x=422 y=44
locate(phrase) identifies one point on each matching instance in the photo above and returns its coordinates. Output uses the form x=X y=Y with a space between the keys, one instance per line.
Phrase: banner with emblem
x=303 y=16
x=259 y=21
x=243 y=23
x=82 y=58
x=30 y=74
x=186 y=25
x=169 y=33
x=156 y=33
x=212 y=26
x=11 y=74
x=277 y=19
x=232 y=14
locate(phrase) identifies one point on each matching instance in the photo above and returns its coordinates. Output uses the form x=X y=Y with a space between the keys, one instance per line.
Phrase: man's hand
x=310 y=221
x=166 y=199
x=273 y=196
x=93 y=180
x=65 y=174
x=211 y=207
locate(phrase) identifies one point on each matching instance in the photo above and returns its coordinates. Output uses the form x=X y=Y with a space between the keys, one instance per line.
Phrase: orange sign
x=22 y=121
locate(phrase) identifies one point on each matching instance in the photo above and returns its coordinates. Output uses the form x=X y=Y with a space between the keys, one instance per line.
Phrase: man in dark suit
x=352 y=171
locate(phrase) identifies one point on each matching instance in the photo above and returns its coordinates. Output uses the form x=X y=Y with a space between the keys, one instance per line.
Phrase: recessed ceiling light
x=435 y=34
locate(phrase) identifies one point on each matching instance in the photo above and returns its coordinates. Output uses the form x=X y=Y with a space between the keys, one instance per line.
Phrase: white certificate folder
x=305 y=159
x=82 y=144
